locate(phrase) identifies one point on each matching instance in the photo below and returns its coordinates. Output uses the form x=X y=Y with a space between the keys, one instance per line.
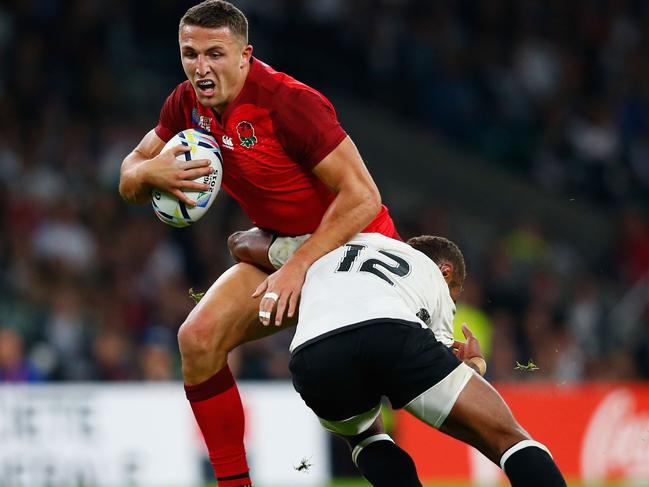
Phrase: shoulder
x=180 y=99
x=276 y=89
x=303 y=121
x=386 y=245
x=381 y=242
x=176 y=111
x=182 y=94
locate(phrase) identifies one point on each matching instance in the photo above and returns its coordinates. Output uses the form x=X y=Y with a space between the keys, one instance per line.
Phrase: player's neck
x=220 y=109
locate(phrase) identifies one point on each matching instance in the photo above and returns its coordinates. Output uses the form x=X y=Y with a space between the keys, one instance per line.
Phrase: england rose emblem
x=246 y=133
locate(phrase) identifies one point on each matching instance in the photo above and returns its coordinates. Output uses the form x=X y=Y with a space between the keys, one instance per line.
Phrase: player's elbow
x=372 y=201
x=237 y=246
x=131 y=189
x=251 y=246
x=123 y=190
x=128 y=194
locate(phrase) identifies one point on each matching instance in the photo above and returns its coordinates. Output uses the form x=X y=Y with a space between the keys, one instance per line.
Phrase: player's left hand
x=281 y=292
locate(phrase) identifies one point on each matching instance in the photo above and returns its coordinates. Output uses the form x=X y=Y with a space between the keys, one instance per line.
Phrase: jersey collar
x=250 y=77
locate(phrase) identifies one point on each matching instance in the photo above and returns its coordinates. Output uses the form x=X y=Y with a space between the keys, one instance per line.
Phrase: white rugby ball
x=166 y=206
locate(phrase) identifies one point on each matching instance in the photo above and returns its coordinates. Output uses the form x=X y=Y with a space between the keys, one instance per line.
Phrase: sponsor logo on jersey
x=246 y=133
x=203 y=122
x=227 y=142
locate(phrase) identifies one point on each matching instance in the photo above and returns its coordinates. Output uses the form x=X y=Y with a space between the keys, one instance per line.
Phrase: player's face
x=455 y=286
x=215 y=62
x=455 y=291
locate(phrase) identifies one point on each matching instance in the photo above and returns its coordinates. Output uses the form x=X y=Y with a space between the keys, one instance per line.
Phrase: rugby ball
x=166 y=206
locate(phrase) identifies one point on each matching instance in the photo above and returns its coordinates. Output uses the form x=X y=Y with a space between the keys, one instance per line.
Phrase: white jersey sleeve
x=373 y=278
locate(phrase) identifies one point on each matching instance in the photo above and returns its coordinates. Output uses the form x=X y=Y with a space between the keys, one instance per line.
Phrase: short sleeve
x=172 y=119
x=307 y=127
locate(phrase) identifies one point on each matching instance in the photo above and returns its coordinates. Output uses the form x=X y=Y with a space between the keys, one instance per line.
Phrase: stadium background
x=518 y=129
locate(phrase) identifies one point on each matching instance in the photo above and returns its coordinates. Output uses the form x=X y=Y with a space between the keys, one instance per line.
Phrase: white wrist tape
x=283 y=247
x=481 y=363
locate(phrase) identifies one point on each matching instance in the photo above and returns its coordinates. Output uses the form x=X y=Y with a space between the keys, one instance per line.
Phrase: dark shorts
x=347 y=373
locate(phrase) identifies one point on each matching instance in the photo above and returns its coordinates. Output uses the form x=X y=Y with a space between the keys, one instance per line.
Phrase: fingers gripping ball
x=166 y=206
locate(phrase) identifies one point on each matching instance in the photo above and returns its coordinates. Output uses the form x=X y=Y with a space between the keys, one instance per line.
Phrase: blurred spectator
x=641 y=349
x=156 y=363
x=569 y=365
x=551 y=92
x=113 y=357
x=63 y=240
x=634 y=245
x=470 y=310
x=527 y=247
x=67 y=332
x=14 y=365
x=157 y=356
x=584 y=317
x=504 y=352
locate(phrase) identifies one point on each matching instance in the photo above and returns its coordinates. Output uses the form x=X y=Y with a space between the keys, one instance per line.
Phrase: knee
x=508 y=435
x=198 y=337
x=375 y=429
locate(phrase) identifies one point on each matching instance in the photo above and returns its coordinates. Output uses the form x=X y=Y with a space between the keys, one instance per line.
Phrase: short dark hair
x=214 y=14
x=439 y=250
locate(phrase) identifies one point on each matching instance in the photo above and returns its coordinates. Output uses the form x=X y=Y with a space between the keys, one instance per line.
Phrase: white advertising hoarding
x=102 y=435
x=144 y=435
x=281 y=434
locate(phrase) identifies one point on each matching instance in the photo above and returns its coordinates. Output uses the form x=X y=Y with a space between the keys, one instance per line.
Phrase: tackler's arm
x=263 y=249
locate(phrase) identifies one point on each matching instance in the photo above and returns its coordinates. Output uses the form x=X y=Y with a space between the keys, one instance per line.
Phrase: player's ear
x=246 y=54
x=447 y=271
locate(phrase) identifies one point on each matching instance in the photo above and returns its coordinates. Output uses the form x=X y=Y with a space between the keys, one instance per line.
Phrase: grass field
x=357 y=483
x=361 y=483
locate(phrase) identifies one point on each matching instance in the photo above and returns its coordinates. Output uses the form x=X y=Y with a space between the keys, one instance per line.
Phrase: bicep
x=344 y=169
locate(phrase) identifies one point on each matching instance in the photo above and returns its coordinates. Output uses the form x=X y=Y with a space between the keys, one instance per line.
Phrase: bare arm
x=356 y=204
x=146 y=167
x=251 y=246
x=263 y=249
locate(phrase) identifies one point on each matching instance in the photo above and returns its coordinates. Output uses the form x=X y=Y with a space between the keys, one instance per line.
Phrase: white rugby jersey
x=373 y=277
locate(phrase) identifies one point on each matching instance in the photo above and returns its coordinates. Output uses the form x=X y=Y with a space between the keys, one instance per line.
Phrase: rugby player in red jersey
x=291 y=167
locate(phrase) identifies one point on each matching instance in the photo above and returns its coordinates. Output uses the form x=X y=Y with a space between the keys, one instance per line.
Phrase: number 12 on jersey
x=373 y=266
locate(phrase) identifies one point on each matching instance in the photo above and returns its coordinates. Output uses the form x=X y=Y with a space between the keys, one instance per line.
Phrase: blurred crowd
x=555 y=92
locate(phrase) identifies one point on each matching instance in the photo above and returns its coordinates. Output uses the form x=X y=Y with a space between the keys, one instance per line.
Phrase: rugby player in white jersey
x=376 y=319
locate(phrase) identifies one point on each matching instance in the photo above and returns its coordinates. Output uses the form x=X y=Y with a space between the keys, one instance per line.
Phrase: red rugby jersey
x=271 y=136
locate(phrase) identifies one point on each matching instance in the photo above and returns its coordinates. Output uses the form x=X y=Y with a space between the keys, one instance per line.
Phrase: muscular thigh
x=481 y=418
x=227 y=315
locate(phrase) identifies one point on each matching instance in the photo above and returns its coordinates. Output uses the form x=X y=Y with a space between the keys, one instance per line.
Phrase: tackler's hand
x=469 y=348
x=469 y=351
x=281 y=292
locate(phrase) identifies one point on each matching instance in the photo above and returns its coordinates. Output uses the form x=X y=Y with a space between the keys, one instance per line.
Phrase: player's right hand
x=468 y=349
x=168 y=174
